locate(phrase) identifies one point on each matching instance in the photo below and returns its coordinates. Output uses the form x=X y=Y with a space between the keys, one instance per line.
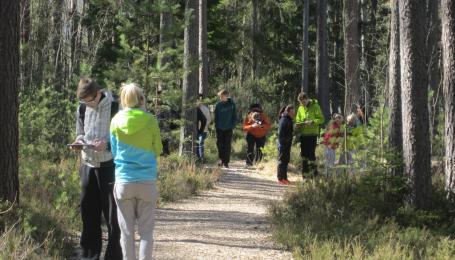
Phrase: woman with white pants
x=136 y=145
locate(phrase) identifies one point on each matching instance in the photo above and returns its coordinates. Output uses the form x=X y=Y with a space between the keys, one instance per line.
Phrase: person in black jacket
x=285 y=130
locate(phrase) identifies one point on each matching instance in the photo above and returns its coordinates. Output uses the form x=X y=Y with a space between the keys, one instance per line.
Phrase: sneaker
x=226 y=165
x=282 y=181
x=287 y=182
x=220 y=163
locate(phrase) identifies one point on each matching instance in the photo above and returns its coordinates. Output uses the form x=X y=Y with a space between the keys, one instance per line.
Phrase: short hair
x=223 y=92
x=302 y=96
x=87 y=87
x=131 y=95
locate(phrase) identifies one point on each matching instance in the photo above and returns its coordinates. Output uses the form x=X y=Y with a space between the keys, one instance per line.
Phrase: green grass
x=362 y=216
x=46 y=222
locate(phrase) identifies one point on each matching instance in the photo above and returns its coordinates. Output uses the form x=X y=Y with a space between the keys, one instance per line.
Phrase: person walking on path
x=331 y=139
x=136 y=145
x=203 y=120
x=308 y=120
x=256 y=126
x=96 y=171
x=225 y=121
x=285 y=131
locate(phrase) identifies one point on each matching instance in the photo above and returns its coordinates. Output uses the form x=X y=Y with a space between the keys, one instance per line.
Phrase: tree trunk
x=57 y=45
x=165 y=42
x=9 y=104
x=190 y=79
x=203 y=59
x=394 y=102
x=306 y=21
x=26 y=54
x=351 y=53
x=448 y=49
x=254 y=32
x=322 y=60
x=414 y=86
x=434 y=57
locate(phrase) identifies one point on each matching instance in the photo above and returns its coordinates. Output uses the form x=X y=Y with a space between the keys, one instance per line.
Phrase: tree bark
x=57 y=45
x=254 y=32
x=351 y=53
x=395 y=131
x=322 y=60
x=414 y=84
x=188 y=133
x=9 y=104
x=26 y=54
x=165 y=41
x=434 y=58
x=306 y=21
x=203 y=59
x=448 y=61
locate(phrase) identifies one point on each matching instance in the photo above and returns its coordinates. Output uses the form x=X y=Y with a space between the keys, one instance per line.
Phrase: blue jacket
x=135 y=144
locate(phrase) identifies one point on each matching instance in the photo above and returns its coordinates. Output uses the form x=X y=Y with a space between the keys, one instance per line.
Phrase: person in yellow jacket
x=353 y=141
x=308 y=120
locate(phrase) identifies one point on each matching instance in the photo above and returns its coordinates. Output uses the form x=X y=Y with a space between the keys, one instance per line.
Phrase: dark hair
x=285 y=109
x=255 y=107
x=87 y=87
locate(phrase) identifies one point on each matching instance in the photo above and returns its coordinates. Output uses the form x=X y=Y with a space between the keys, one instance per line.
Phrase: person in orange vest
x=256 y=126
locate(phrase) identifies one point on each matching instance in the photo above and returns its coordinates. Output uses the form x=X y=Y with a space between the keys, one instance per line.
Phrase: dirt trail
x=228 y=222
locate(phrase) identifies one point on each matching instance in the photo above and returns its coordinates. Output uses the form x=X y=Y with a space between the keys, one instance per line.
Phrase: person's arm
x=215 y=116
x=246 y=124
x=300 y=117
x=201 y=119
x=157 y=145
x=234 y=115
x=80 y=133
x=113 y=144
x=318 y=116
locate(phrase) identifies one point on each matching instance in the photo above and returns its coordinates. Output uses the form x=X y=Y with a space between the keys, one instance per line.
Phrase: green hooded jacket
x=310 y=112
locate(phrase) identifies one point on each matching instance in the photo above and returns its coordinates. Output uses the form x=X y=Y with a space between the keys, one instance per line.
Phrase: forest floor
x=227 y=222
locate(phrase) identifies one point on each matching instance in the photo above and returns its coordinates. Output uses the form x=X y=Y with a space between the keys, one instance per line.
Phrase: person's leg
x=220 y=144
x=249 y=149
x=106 y=179
x=201 y=149
x=260 y=143
x=283 y=160
x=147 y=197
x=228 y=139
x=90 y=214
x=312 y=143
x=329 y=162
x=304 y=153
x=126 y=204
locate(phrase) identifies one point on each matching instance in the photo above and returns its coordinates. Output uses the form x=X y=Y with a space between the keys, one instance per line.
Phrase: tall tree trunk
x=254 y=32
x=203 y=59
x=395 y=130
x=322 y=60
x=26 y=54
x=306 y=21
x=9 y=105
x=57 y=46
x=448 y=49
x=351 y=53
x=414 y=86
x=188 y=133
x=165 y=42
x=434 y=58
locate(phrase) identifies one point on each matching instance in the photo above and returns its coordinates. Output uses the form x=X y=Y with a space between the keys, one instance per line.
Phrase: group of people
x=120 y=149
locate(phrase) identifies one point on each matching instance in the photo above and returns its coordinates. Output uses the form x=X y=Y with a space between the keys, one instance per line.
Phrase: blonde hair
x=131 y=95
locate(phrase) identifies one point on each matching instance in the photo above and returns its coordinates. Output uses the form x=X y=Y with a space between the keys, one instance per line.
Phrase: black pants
x=308 y=153
x=254 y=146
x=97 y=199
x=223 y=143
x=284 y=156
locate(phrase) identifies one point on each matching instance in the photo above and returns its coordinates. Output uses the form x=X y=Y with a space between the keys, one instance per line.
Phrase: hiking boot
x=286 y=181
x=283 y=181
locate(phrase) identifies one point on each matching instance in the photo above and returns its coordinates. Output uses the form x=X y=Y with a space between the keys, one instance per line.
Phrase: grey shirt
x=95 y=126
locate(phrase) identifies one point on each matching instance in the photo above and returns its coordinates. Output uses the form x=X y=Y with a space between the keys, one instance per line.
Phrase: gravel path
x=227 y=222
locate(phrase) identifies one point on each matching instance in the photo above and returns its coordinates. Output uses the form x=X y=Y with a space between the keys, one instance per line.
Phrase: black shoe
x=226 y=165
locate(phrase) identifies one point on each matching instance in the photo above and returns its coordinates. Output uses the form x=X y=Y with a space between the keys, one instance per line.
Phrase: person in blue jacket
x=285 y=131
x=225 y=121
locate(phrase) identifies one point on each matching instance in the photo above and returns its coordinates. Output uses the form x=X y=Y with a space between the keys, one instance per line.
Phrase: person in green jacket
x=308 y=120
x=225 y=121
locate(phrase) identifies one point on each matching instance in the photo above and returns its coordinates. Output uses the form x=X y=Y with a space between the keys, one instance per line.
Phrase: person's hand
x=99 y=145
x=77 y=148
x=254 y=125
x=308 y=122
